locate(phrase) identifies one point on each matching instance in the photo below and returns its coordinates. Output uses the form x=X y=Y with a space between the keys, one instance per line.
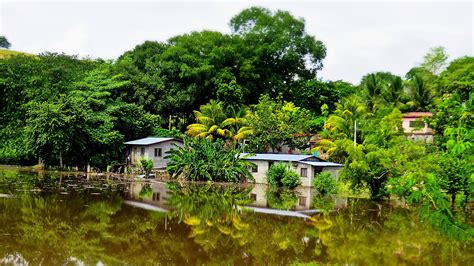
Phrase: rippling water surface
x=50 y=218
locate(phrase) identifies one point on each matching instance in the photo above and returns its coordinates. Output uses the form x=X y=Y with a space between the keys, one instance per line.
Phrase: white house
x=151 y=148
x=307 y=166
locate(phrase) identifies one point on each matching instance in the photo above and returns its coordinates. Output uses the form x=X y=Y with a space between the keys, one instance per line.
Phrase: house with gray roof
x=307 y=166
x=151 y=148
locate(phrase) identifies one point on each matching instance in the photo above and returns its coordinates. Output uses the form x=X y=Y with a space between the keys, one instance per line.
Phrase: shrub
x=147 y=165
x=280 y=175
x=204 y=160
x=325 y=183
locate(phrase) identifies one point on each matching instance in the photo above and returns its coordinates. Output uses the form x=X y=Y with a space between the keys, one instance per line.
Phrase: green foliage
x=458 y=78
x=203 y=160
x=146 y=165
x=187 y=71
x=280 y=175
x=65 y=111
x=435 y=60
x=145 y=192
x=421 y=94
x=291 y=53
x=274 y=124
x=325 y=183
x=212 y=122
x=454 y=176
x=281 y=198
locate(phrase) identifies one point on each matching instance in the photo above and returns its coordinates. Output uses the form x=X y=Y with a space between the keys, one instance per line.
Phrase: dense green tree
x=457 y=78
x=311 y=94
x=283 y=51
x=4 y=43
x=274 y=124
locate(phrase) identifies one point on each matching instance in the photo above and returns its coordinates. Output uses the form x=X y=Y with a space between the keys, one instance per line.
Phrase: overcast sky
x=360 y=37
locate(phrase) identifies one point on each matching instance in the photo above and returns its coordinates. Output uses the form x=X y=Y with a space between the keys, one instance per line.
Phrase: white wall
x=158 y=161
x=261 y=175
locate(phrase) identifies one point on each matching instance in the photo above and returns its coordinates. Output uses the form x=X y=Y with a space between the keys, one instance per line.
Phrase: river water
x=55 y=219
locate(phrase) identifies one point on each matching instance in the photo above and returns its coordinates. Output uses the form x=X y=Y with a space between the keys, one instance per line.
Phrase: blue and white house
x=307 y=166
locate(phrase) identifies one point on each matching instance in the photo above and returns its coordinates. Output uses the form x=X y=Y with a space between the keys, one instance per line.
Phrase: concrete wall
x=149 y=153
x=262 y=168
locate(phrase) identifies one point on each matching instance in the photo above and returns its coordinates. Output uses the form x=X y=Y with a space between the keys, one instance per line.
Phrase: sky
x=360 y=37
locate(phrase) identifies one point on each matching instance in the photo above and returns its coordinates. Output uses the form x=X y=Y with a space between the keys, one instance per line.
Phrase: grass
x=7 y=53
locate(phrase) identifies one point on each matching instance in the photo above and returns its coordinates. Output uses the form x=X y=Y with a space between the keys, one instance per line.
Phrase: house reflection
x=158 y=194
x=261 y=196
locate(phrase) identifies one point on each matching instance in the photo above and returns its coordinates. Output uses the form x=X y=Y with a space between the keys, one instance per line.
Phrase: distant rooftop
x=147 y=141
x=277 y=157
x=417 y=114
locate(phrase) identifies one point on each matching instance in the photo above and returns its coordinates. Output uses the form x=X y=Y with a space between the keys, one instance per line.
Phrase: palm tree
x=213 y=123
x=209 y=118
x=346 y=114
x=394 y=91
x=373 y=87
x=238 y=123
x=421 y=95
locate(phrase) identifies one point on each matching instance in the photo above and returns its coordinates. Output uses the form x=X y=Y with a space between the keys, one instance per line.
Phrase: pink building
x=415 y=127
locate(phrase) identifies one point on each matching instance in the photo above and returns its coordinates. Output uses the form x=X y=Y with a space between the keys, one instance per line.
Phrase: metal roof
x=276 y=157
x=323 y=164
x=147 y=141
x=417 y=114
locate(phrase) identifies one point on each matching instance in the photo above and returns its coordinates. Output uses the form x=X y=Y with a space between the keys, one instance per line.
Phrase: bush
x=204 y=160
x=325 y=183
x=280 y=175
x=147 y=165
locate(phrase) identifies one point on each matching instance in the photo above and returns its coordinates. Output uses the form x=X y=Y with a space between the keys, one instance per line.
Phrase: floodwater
x=54 y=219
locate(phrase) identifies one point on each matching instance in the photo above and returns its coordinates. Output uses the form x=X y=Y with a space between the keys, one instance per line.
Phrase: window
x=417 y=124
x=158 y=152
x=156 y=196
x=317 y=170
x=254 y=169
x=302 y=201
x=142 y=151
x=304 y=172
x=253 y=196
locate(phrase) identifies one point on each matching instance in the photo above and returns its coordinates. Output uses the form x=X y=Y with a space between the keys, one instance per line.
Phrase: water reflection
x=71 y=220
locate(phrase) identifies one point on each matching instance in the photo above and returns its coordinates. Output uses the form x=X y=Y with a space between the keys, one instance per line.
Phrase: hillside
x=6 y=53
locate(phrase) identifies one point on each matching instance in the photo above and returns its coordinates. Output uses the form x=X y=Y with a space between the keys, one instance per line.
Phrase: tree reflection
x=206 y=226
x=281 y=198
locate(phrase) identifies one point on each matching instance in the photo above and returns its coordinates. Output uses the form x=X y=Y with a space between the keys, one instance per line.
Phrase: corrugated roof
x=322 y=164
x=417 y=114
x=277 y=157
x=147 y=141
